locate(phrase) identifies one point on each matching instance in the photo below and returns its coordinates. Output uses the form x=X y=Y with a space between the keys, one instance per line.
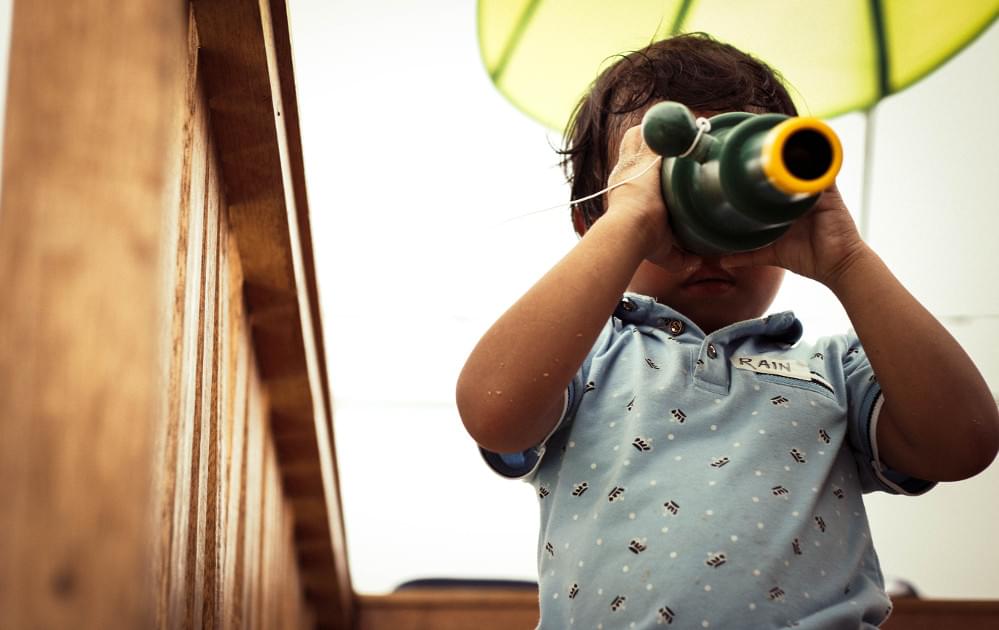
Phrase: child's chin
x=711 y=317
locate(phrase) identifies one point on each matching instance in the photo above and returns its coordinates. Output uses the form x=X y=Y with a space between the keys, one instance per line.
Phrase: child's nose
x=696 y=261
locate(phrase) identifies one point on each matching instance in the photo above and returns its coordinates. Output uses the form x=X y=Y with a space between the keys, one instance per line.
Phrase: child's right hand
x=511 y=392
x=643 y=198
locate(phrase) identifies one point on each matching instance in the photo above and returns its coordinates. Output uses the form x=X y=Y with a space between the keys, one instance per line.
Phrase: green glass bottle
x=737 y=181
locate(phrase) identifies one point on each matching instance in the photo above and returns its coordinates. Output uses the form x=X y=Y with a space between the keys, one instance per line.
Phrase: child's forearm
x=510 y=392
x=938 y=421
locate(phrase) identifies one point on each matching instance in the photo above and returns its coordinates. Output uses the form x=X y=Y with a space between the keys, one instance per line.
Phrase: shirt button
x=675 y=327
x=712 y=353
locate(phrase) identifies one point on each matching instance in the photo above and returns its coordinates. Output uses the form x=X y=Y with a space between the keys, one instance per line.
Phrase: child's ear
x=578 y=222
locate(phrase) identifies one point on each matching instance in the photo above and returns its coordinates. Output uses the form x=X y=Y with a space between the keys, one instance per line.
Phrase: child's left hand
x=912 y=435
x=819 y=245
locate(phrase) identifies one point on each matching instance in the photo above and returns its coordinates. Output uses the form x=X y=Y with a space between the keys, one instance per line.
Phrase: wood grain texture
x=230 y=559
x=91 y=100
x=264 y=540
x=144 y=338
x=248 y=80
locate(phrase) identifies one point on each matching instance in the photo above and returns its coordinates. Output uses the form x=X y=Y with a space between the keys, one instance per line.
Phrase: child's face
x=711 y=296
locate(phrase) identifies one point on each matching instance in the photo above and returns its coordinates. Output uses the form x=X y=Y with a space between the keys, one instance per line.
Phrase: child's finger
x=632 y=153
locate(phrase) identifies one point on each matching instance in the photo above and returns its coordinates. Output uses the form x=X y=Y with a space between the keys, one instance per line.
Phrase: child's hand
x=643 y=198
x=819 y=245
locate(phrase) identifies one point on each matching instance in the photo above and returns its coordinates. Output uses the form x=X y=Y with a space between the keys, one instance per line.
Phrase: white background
x=417 y=171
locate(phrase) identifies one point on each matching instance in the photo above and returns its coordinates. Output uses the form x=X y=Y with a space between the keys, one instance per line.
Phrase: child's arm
x=938 y=421
x=510 y=392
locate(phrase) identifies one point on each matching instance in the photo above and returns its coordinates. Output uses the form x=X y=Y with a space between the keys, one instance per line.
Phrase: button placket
x=711 y=369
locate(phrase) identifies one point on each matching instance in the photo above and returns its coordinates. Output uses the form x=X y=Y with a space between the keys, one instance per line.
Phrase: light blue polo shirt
x=711 y=481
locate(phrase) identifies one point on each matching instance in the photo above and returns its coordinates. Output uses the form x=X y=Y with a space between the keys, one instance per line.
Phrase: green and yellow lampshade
x=836 y=55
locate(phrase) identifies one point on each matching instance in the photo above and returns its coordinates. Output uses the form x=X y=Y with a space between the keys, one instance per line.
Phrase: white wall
x=935 y=223
x=414 y=162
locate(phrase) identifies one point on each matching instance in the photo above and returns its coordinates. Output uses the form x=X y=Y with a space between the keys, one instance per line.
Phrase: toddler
x=695 y=464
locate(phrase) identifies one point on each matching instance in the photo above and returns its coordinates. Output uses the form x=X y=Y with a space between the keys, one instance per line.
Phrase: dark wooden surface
x=497 y=609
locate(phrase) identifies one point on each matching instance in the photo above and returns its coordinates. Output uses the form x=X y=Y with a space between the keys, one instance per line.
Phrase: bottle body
x=741 y=185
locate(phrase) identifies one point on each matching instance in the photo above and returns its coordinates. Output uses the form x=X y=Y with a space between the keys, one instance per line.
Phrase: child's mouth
x=709 y=282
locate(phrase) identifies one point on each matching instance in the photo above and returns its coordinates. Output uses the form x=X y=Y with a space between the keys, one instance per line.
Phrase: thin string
x=588 y=197
x=703 y=126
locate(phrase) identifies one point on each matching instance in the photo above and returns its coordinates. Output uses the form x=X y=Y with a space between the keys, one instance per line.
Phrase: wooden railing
x=166 y=454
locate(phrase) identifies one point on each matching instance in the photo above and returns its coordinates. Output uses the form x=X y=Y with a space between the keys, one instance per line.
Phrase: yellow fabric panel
x=497 y=20
x=922 y=34
x=567 y=44
x=826 y=55
x=826 y=49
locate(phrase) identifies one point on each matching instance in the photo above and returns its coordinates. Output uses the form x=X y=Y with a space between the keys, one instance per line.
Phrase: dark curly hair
x=694 y=69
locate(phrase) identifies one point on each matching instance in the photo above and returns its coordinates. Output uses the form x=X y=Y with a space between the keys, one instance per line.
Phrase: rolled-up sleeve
x=524 y=464
x=864 y=398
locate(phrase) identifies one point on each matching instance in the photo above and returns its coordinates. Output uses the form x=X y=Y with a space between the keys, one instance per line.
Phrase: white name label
x=790 y=368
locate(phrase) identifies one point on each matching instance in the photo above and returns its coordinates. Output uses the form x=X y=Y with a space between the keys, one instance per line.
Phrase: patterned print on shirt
x=678 y=415
x=617 y=604
x=715 y=560
x=651 y=363
x=780 y=401
x=666 y=616
x=672 y=507
x=797 y=455
x=642 y=444
x=580 y=488
x=615 y=494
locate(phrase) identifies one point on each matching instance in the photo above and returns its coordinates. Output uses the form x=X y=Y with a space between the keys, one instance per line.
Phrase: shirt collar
x=643 y=310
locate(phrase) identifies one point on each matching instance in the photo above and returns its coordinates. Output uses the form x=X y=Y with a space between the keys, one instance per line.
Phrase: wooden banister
x=166 y=448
